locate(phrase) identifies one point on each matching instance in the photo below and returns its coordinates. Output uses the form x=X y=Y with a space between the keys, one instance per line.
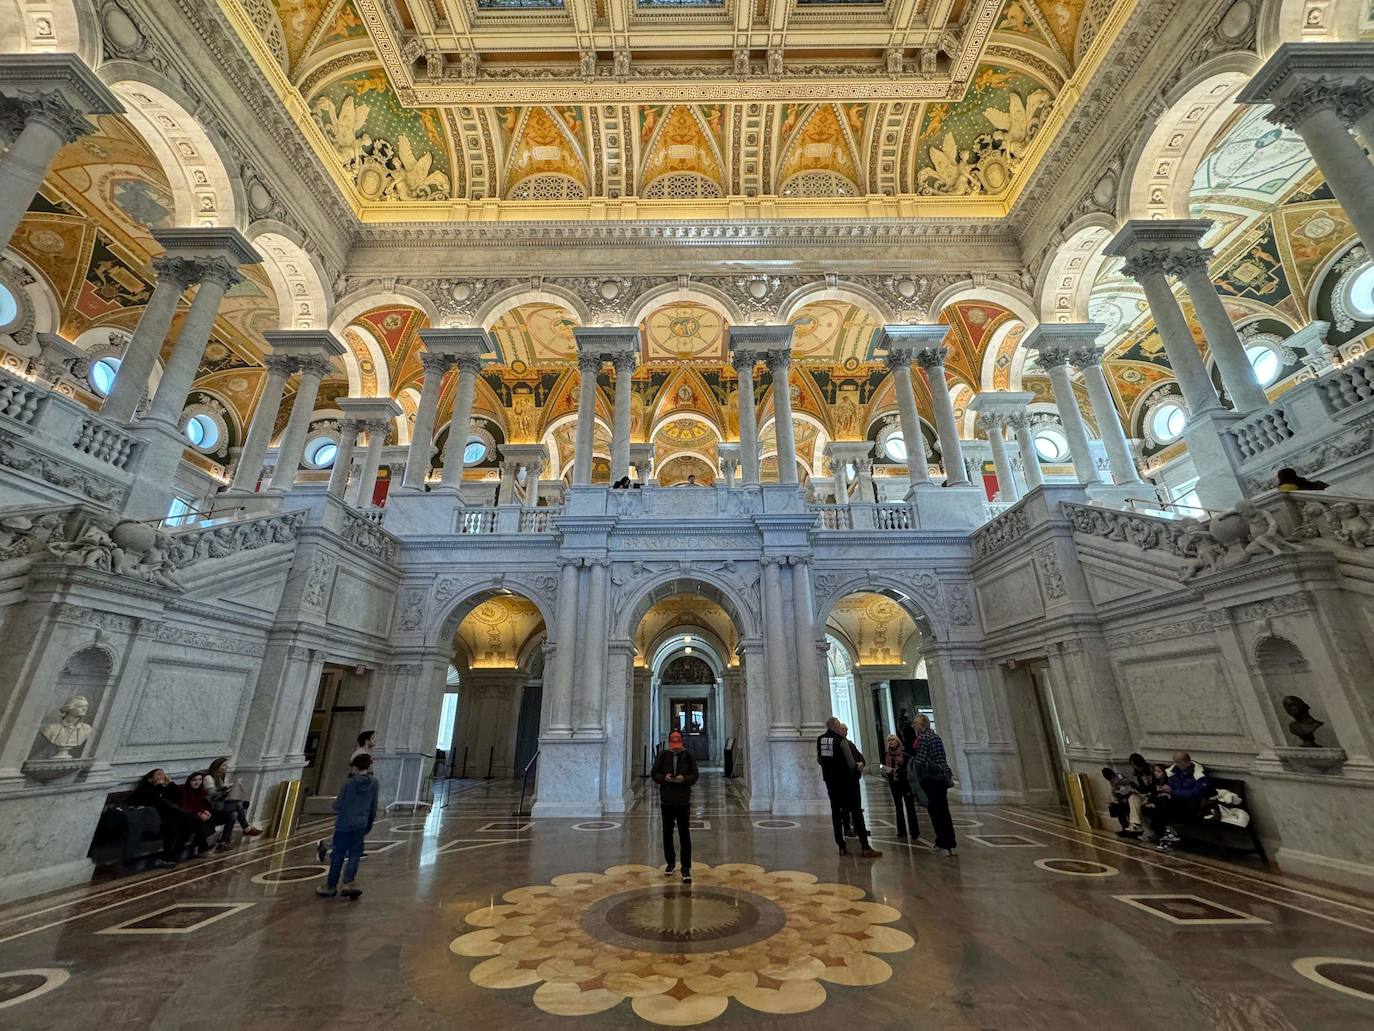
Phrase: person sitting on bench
x=1186 y=797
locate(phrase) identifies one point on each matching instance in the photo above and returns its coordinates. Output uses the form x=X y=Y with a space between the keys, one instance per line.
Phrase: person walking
x=675 y=771
x=355 y=809
x=899 y=783
x=842 y=768
x=932 y=772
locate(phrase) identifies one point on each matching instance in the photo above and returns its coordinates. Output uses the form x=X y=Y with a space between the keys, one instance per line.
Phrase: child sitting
x=1126 y=805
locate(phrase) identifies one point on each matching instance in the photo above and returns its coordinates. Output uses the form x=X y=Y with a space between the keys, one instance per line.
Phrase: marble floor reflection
x=473 y=918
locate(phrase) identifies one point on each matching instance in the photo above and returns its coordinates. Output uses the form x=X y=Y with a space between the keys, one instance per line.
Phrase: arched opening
x=67 y=728
x=1293 y=694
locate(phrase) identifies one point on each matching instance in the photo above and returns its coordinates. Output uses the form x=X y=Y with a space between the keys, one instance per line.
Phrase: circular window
x=1051 y=444
x=9 y=306
x=102 y=375
x=1266 y=363
x=1167 y=422
x=1361 y=294
x=202 y=431
x=476 y=451
x=894 y=446
x=321 y=452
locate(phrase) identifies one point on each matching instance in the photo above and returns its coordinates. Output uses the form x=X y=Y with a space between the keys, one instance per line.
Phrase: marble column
x=468 y=368
x=864 y=490
x=1190 y=265
x=343 y=458
x=505 y=491
x=1149 y=268
x=1088 y=360
x=313 y=368
x=377 y=429
x=1312 y=96
x=52 y=94
x=560 y=720
x=918 y=466
x=1055 y=362
x=533 y=471
x=1025 y=442
x=932 y=359
x=280 y=367
x=744 y=362
x=814 y=700
x=840 y=475
x=624 y=364
x=590 y=714
x=435 y=367
x=174 y=275
x=1001 y=460
x=218 y=275
x=782 y=698
x=588 y=365
x=779 y=366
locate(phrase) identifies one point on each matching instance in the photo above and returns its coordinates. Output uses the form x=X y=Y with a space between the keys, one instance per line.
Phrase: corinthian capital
x=932 y=357
x=744 y=361
x=55 y=111
x=182 y=271
x=1052 y=357
x=219 y=270
x=588 y=363
x=777 y=361
x=1191 y=259
x=315 y=365
x=283 y=365
x=436 y=363
x=900 y=359
x=1306 y=98
x=1082 y=357
x=1147 y=262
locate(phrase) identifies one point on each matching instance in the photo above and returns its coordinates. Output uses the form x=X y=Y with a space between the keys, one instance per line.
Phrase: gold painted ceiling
x=603 y=109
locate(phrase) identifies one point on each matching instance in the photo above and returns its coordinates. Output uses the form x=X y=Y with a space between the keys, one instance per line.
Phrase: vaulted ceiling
x=458 y=109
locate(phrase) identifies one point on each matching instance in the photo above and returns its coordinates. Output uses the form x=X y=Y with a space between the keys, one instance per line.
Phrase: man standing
x=675 y=771
x=931 y=768
x=842 y=767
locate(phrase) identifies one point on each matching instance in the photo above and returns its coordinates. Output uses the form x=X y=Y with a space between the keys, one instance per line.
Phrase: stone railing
x=187 y=547
x=1349 y=385
x=833 y=517
x=538 y=520
x=1262 y=431
x=1146 y=532
x=28 y=529
x=374 y=515
x=992 y=509
x=476 y=520
x=1001 y=532
x=893 y=517
x=1338 y=519
x=19 y=398
x=105 y=442
x=368 y=536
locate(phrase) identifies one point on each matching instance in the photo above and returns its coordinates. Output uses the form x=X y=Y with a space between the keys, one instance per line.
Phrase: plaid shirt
x=928 y=756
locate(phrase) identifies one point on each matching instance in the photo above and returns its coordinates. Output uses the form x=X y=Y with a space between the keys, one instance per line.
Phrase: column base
x=797 y=786
x=948 y=508
x=155 y=473
x=1219 y=485
x=417 y=513
x=569 y=782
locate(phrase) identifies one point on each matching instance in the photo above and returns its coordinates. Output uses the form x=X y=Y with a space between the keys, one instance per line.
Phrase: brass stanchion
x=287 y=808
x=1081 y=806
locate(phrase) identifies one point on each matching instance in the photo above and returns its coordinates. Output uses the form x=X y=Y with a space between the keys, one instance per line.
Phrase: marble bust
x=1304 y=725
x=70 y=731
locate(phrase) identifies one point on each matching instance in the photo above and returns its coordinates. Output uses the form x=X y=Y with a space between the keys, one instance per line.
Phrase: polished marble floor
x=472 y=917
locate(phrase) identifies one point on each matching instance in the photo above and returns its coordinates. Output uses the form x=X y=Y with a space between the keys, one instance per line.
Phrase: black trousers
x=847 y=808
x=177 y=828
x=938 y=808
x=677 y=816
x=904 y=802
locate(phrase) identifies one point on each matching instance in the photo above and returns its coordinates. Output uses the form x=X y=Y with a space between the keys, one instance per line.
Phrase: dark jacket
x=1189 y=783
x=834 y=767
x=356 y=803
x=673 y=763
x=165 y=798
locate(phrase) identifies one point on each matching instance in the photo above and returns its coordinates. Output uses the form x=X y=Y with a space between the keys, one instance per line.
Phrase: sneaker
x=163 y=864
x=351 y=893
x=1164 y=846
x=943 y=852
x=224 y=846
x=321 y=851
x=668 y=871
x=871 y=853
x=954 y=851
x=326 y=892
x=1171 y=837
x=686 y=877
x=252 y=832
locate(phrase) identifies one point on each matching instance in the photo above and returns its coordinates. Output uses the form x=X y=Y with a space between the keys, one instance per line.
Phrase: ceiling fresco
x=877 y=630
x=494 y=634
x=419 y=109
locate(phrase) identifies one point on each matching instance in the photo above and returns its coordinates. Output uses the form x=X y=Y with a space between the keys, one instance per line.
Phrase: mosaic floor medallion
x=769 y=941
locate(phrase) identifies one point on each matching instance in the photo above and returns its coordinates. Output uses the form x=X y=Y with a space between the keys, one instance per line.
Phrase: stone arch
x=918 y=604
x=823 y=290
x=1162 y=164
x=1067 y=279
x=508 y=300
x=358 y=338
x=1286 y=21
x=466 y=597
x=688 y=414
x=196 y=162
x=298 y=278
x=663 y=649
x=696 y=293
x=640 y=598
x=62 y=26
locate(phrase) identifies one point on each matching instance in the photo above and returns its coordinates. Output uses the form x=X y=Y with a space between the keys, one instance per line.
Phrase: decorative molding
x=17 y=455
x=368 y=537
x=1000 y=533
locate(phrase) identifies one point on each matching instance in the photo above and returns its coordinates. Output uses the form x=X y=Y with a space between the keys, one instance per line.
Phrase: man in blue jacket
x=355 y=809
x=1185 y=797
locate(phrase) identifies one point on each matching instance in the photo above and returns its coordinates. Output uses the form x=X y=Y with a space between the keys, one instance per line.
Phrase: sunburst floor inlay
x=767 y=940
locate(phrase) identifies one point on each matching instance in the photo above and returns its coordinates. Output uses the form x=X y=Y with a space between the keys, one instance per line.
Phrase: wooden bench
x=125 y=835
x=1220 y=833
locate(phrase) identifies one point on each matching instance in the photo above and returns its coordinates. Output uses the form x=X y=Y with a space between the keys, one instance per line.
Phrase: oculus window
x=1051 y=444
x=1361 y=301
x=475 y=451
x=321 y=452
x=9 y=306
x=202 y=431
x=1266 y=363
x=894 y=446
x=102 y=374
x=1167 y=422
